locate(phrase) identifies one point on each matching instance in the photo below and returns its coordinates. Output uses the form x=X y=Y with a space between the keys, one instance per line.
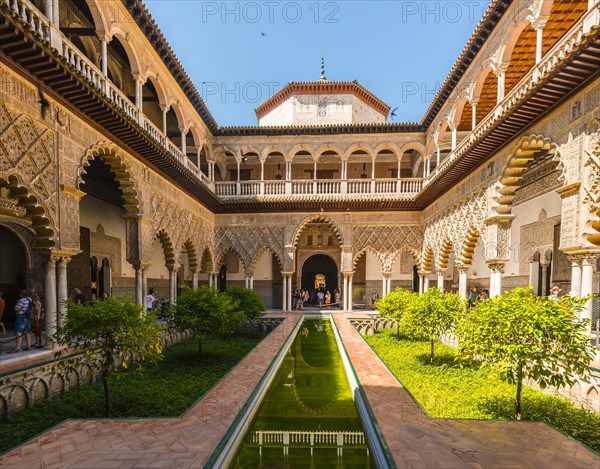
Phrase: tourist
x=300 y=304
x=483 y=295
x=36 y=322
x=374 y=297
x=320 y=298
x=22 y=323
x=473 y=297
x=104 y=296
x=306 y=298
x=327 y=299
x=79 y=298
x=336 y=297
x=554 y=293
x=150 y=300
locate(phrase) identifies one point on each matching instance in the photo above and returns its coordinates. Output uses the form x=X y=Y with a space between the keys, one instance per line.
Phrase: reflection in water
x=307 y=418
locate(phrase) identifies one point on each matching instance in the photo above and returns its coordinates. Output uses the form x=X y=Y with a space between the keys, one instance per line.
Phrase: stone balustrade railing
x=39 y=24
x=306 y=438
x=329 y=187
x=30 y=386
x=538 y=72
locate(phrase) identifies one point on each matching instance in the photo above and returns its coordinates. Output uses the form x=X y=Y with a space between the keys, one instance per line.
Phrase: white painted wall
x=304 y=110
x=93 y=212
x=263 y=270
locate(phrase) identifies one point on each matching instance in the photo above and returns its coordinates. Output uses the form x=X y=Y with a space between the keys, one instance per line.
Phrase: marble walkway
x=415 y=440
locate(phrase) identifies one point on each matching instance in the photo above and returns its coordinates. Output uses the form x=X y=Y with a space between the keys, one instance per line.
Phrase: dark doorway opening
x=316 y=266
x=415 y=282
x=13 y=265
x=222 y=278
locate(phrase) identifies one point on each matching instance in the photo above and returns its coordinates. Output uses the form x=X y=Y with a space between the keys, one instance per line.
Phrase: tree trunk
x=199 y=346
x=432 y=345
x=106 y=394
x=518 y=399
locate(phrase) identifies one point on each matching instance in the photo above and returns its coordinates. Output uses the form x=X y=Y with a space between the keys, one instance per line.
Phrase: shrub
x=528 y=336
x=113 y=333
x=205 y=311
x=250 y=302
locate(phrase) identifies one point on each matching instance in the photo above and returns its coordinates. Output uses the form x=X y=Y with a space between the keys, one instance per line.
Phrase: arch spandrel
x=316 y=219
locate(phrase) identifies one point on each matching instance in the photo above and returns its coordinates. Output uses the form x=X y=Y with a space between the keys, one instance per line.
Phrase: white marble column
x=350 y=288
x=289 y=293
x=284 y=293
x=104 y=56
x=587 y=282
x=437 y=155
x=421 y=281
x=63 y=291
x=164 y=110
x=500 y=75
x=50 y=305
x=575 y=276
x=474 y=115
x=251 y=281
x=139 y=101
x=184 y=143
x=454 y=129
x=172 y=284
x=539 y=29
x=496 y=279
x=462 y=281
x=427 y=167
x=139 y=288
x=144 y=270
x=383 y=285
x=195 y=279
x=345 y=293
x=425 y=282
x=440 y=280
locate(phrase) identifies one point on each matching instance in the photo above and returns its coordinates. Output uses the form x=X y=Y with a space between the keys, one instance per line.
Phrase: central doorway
x=319 y=271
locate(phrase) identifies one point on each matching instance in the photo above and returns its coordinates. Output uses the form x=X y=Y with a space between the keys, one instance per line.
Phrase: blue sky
x=239 y=53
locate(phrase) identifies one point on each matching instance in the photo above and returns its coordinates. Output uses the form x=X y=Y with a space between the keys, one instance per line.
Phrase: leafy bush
x=113 y=333
x=528 y=337
x=205 y=311
x=396 y=306
x=432 y=315
x=449 y=389
x=250 y=302
x=166 y=389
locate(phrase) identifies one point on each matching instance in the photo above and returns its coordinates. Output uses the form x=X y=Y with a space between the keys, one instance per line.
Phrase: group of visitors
x=29 y=314
x=476 y=295
x=302 y=298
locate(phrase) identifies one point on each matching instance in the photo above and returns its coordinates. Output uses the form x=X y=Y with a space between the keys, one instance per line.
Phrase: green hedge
x=445 y=390
x=164 y=390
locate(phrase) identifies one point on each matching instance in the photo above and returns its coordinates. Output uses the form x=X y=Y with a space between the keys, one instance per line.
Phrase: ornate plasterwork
x=591 y=192
x=249 y=242
x=455 y=226
x=28 y=160
x=181 y=226
x=386 y=241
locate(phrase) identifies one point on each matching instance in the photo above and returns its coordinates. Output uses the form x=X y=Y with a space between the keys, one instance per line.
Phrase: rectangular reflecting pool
x=307 y=417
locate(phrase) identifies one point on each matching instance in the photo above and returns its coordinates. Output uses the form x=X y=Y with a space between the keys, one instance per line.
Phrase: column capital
x=496 y=265
x=72 y=191
x=249 y=272
x=64 y=255
x=497 y=219
x=463 y=268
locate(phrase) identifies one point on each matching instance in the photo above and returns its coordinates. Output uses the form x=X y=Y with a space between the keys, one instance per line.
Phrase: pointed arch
x=190 y=249
x=363 y=252
x=444 y=254
x=316 y=219
x=168 y=249
x=221 y=257
x=207 y=260
x=527 y=149
x=43 y=223
x=112 y=156
x=260 y=253
x=467 y=250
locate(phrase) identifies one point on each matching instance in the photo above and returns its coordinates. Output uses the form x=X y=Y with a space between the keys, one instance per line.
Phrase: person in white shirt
x=150 y=299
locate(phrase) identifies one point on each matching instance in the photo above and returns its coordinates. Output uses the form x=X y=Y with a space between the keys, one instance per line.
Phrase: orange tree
x=528 y=337
x=113 y=334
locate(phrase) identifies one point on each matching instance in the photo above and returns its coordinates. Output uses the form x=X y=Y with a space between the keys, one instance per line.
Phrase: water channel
x=308 y=418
